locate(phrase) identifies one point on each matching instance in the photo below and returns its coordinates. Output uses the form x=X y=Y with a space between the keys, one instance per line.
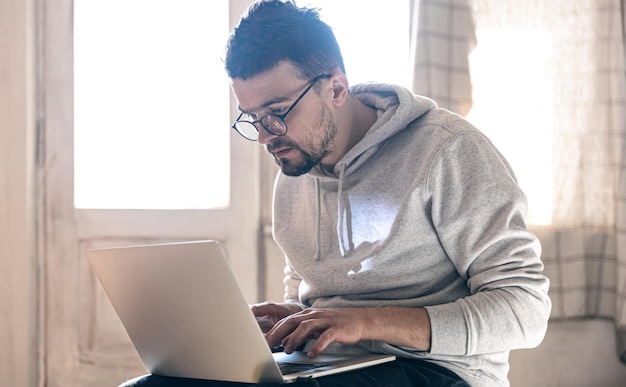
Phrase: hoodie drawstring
x=318 y=250
x=344 y=231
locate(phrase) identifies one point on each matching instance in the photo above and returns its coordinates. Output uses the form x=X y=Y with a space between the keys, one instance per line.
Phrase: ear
x=340 y=86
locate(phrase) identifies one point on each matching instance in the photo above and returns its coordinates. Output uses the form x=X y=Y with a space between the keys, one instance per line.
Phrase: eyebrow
x=265 y=105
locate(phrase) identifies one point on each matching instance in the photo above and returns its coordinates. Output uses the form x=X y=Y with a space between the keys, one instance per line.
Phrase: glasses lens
x=274 y=125
x=247 y=130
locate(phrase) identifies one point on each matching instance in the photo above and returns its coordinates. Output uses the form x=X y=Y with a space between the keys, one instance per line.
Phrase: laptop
x=186 y=316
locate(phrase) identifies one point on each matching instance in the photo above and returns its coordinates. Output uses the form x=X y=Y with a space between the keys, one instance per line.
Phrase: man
x=401 y=224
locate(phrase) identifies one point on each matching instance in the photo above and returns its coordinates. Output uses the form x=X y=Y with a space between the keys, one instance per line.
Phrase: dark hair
x=273 y=31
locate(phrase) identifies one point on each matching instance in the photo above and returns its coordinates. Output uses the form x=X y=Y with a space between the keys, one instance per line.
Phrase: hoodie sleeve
x=478 y=211
x=292 y=283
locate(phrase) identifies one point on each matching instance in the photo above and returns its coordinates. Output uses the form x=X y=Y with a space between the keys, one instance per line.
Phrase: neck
x=362 y=118
x=353 y=120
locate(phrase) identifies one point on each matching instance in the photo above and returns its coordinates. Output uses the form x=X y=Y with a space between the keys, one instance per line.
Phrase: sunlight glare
x=151 y=104
x=513 y=105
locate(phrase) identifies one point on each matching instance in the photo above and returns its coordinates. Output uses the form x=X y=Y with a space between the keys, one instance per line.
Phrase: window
x=513 y=101
x=379 y=54
x=151 y=104
x=152 y=98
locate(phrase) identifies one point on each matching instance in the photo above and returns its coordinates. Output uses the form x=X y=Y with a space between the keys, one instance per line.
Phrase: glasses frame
x=280 y=117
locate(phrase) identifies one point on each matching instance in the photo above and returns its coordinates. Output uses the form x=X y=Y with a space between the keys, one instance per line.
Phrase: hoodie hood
x=396 y=107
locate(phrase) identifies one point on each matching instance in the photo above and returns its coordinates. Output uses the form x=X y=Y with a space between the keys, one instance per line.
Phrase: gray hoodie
x=422 y=212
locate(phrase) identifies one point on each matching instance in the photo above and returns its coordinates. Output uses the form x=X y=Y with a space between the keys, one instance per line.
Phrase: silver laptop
x=186 y=316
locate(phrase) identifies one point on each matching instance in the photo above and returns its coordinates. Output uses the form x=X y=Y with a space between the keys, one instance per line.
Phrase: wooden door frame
x=20 y=291
x=65 y=284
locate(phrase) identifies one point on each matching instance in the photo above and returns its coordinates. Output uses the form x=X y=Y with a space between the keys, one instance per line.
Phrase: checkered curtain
x=584 y=247
x=585 y=252
x=442 y=36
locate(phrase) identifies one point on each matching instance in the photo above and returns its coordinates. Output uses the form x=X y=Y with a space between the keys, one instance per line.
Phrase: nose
x=264 y=136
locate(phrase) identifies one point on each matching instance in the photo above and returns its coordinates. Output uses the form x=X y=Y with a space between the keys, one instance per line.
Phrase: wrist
x=405 y=327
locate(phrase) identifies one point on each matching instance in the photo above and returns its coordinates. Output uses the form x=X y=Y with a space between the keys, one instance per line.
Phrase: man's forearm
x=406 y=327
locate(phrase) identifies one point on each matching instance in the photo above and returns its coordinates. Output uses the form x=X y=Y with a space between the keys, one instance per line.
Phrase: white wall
x=18 y=289
x=574 y=354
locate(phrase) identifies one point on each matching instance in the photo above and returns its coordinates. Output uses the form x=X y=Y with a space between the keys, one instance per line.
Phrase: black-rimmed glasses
x=273 y=123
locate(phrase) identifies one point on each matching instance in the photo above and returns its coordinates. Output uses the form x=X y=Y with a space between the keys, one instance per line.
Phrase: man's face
x=311 y=128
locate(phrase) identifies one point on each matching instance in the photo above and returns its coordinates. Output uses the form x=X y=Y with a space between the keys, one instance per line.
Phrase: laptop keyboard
x=292 y=368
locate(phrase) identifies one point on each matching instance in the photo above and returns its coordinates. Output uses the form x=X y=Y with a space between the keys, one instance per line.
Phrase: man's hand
x=346 y=326
x=408 y=327
x=268 y=313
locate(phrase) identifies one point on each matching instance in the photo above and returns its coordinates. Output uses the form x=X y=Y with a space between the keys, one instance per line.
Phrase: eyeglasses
x=273 y=123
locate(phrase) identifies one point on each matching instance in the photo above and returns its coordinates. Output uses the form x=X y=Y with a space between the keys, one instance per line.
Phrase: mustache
x=279 y=143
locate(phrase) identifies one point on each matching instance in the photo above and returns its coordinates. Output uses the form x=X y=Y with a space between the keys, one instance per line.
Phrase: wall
x=578 y=353
x=18 y=289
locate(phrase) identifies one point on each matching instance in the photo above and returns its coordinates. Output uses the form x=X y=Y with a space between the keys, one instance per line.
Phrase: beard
x=310 y=153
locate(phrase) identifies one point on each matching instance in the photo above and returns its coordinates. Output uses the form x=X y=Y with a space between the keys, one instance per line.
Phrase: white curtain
x=442 y=36
x=584 y=244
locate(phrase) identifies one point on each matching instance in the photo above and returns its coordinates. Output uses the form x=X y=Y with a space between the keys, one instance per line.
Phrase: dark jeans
x=399 y=373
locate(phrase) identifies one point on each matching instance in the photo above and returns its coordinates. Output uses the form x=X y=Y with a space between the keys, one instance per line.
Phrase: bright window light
x=152 y=98
x=373 y=36
x=151 y=104
x=513 y=106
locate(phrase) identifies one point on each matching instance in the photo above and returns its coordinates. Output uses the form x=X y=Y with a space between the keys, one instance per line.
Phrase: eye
x=276 y=111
